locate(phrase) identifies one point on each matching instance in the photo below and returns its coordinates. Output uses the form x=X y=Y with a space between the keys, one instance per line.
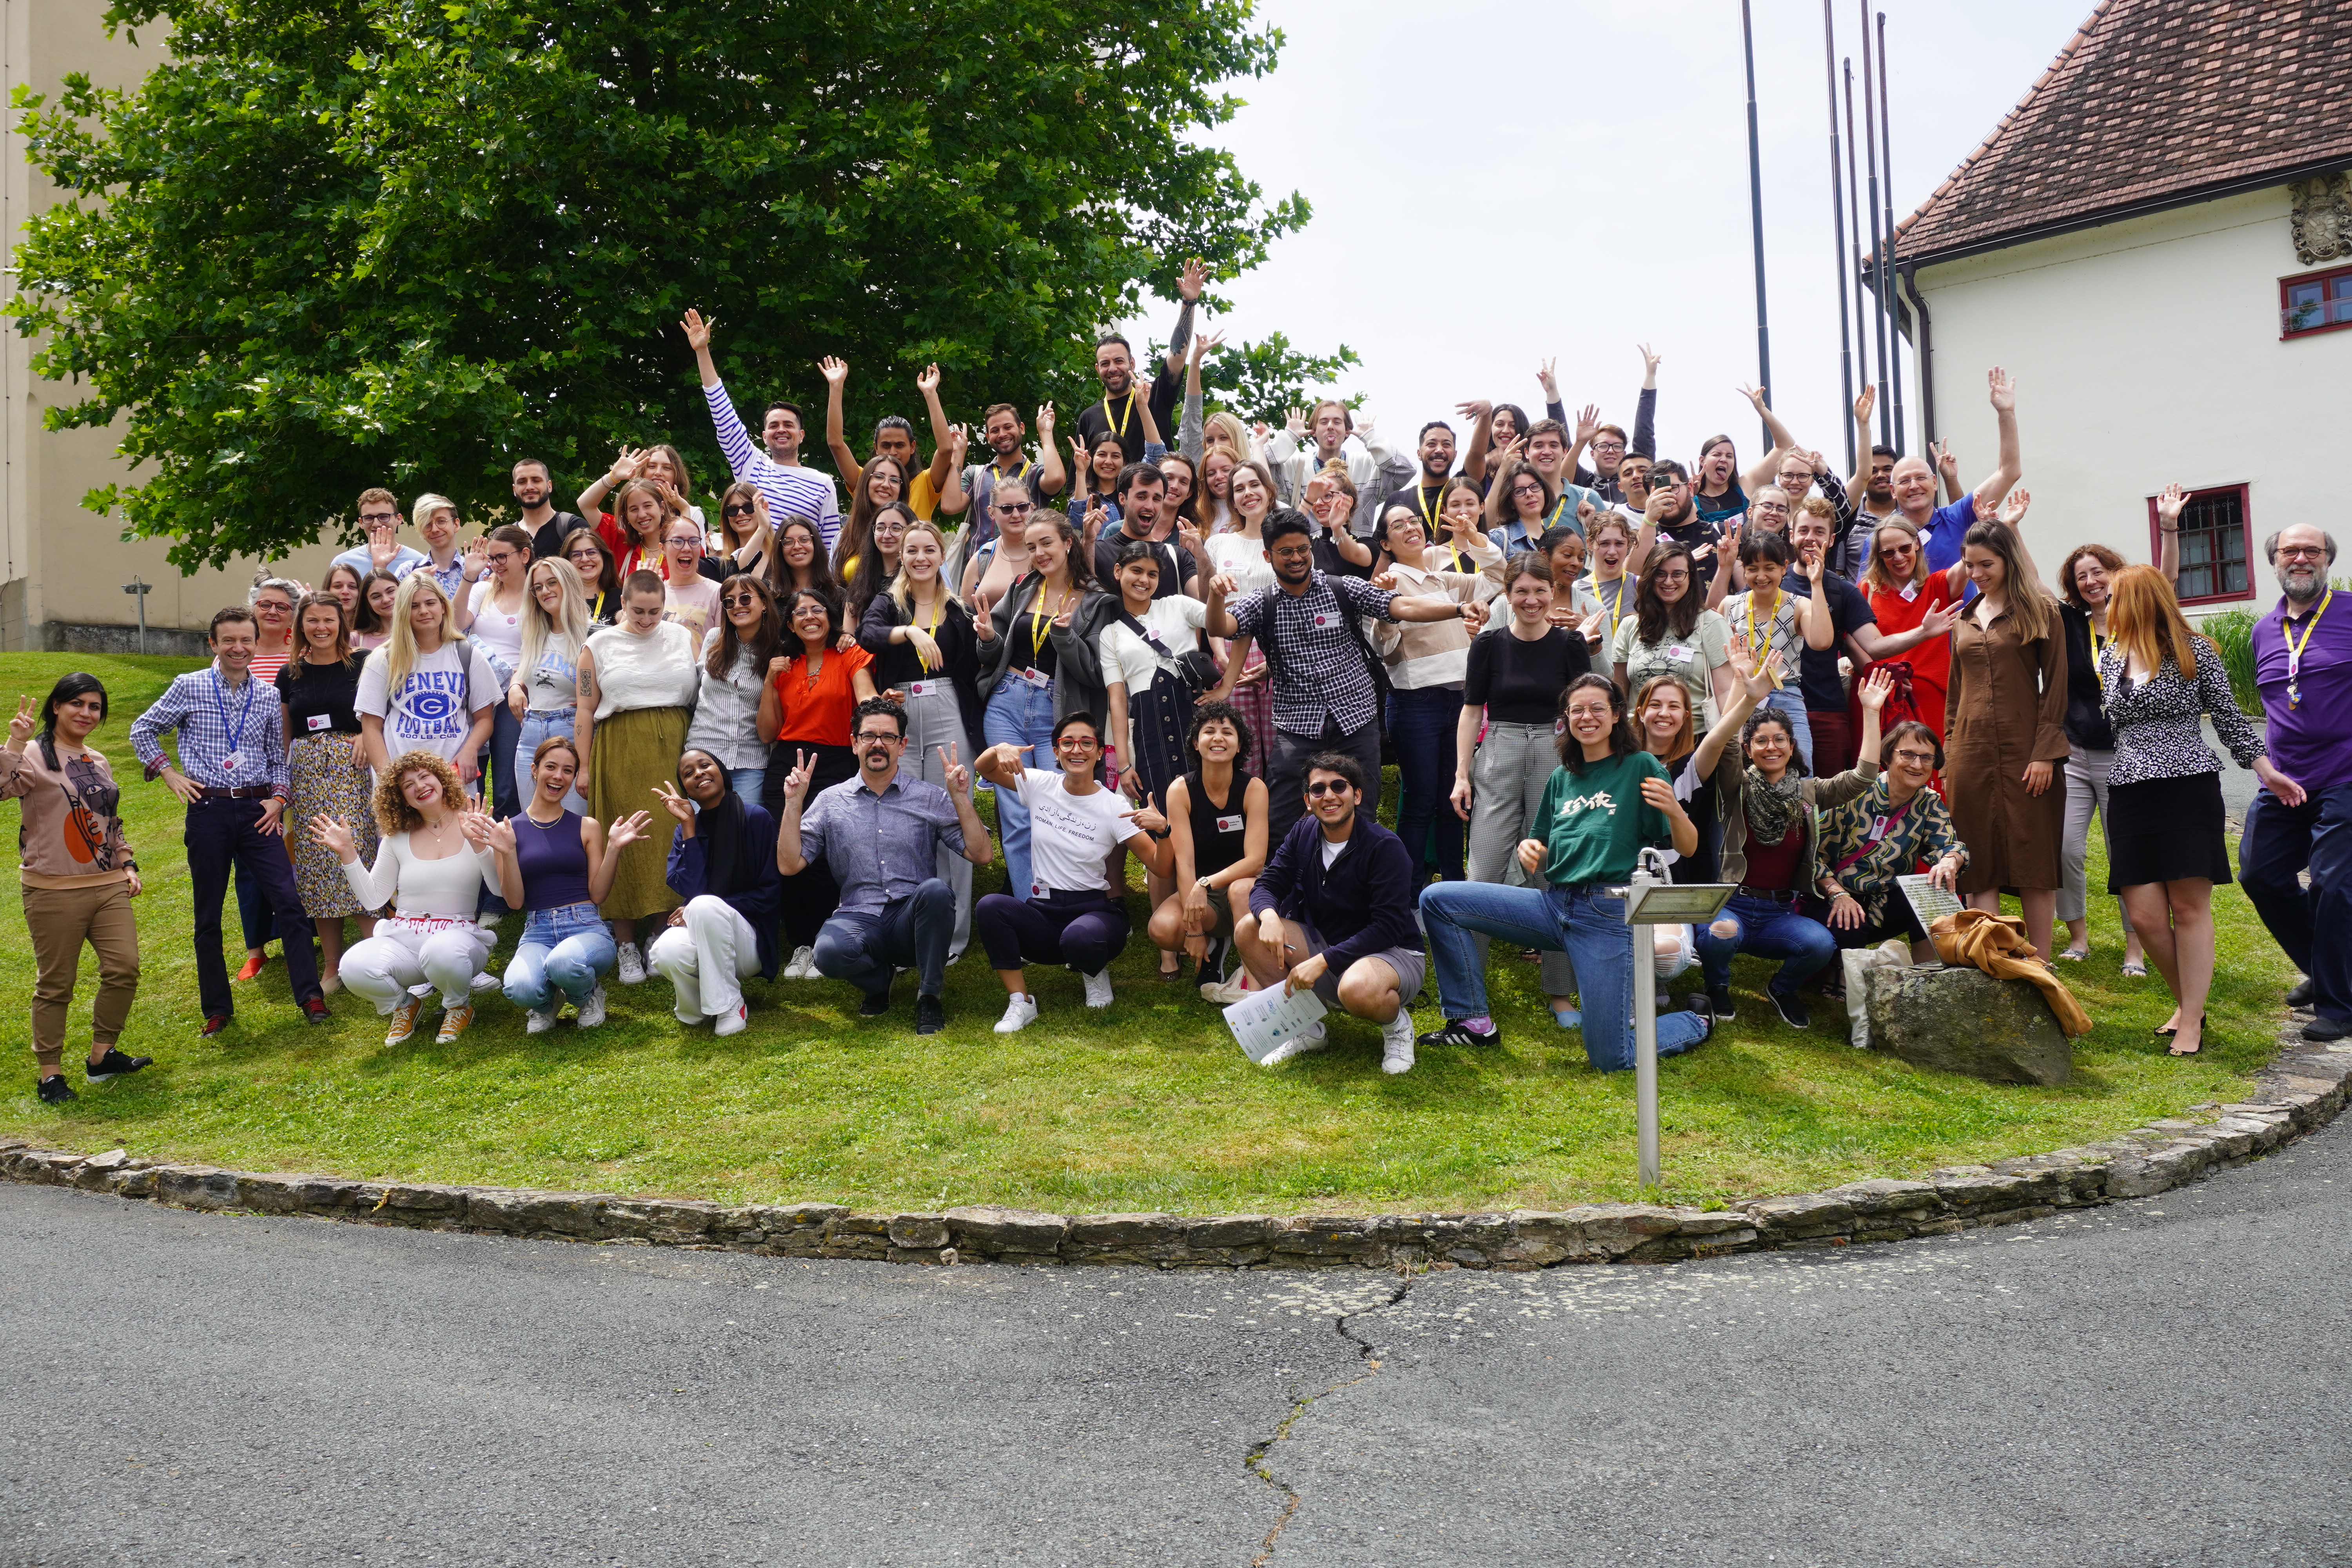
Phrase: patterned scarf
x=1772 y=806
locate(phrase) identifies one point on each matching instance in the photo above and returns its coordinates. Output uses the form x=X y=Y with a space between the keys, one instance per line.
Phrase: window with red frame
x=2315 y=302
x=2216 y=544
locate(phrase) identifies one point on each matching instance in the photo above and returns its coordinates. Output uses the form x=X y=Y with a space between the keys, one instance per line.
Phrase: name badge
x=1036 y=890
x=318 y=721
x=234 y=762
x=1910 y=590
x=1231 y=823
x=1324 y=620
x=1678 y=653
x=922 y=688
x=1036 y=677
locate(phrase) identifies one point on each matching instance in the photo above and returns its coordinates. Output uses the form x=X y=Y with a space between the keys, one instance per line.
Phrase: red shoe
x=213 y=1025
x=253 y=964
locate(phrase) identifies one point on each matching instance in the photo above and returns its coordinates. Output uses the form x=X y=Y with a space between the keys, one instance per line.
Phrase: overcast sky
x=1494 y=183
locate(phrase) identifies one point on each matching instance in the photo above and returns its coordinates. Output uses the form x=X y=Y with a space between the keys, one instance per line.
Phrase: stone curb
x=2303 y=1090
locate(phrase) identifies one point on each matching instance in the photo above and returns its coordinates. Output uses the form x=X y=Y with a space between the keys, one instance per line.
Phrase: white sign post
x=1652 y=900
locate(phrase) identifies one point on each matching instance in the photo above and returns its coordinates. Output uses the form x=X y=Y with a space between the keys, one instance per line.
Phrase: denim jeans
x=747 y=783
x=507 y=790
x=1421 y=726
x=1583 y=921
x=908 y=933
x=1768 y=930
x=1788 y=703
x=1020 y=713
x=2313 y=926
x=537 y=725
x=561 y=951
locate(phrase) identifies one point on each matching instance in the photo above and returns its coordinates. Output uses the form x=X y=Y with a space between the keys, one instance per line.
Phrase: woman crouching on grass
x=432 y=877
x=1217 y=819
x=557 y=865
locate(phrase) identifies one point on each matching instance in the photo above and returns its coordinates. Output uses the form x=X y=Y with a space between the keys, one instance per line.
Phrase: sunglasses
x=1016 y=508
x=740 y=509
x=1329 y=786
x=1898 y=552
x=741 y=601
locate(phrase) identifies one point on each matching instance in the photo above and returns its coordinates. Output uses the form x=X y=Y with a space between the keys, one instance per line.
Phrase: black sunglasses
x=1017 y=507
x=1329 y=786
x=739 y=509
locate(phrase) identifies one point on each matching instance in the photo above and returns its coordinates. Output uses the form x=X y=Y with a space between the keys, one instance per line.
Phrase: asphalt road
x=2160 y=1382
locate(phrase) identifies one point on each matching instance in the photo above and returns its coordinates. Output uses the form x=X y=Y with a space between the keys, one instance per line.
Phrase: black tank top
x=1217 y=835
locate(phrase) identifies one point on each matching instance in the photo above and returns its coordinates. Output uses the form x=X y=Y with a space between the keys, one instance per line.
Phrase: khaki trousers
x=62 y=920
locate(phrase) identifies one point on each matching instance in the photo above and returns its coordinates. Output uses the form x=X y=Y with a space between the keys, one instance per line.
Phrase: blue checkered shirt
x=200 y=707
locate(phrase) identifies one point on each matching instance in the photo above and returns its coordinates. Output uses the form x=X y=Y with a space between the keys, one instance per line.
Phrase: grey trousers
x=934 y=720
x=2086 y=789
x=1507 y=776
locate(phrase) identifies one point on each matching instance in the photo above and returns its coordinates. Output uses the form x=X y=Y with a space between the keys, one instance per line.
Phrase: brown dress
x=2006 y=707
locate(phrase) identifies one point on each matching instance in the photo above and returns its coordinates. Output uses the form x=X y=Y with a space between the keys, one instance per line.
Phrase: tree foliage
x=335 y=242
x=1263 y=381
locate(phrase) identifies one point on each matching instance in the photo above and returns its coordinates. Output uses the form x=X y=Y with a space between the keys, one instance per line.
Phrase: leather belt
x=242 y=792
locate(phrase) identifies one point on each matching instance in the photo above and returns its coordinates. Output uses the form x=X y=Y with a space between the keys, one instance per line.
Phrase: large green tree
x=335 y=242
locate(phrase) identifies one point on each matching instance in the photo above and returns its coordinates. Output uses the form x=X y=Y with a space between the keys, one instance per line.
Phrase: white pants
x=706 y=959
x=442 y=955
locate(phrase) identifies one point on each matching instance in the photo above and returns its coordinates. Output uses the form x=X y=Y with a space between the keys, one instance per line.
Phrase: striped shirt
x=790 y=493
x=215 y=723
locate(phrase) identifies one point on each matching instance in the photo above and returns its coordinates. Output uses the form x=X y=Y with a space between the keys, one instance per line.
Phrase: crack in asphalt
x=1257 y=1461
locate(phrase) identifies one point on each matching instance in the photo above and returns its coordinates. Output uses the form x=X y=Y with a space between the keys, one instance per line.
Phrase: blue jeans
x=1768 y=930
x=564 y=950
x=1788 y=703
x=1421 y=726
x=1582 y=922
x=537 y=725
x=1018 y=713
x=2313 y=928
x=507 y=790
x=908 y=933
x=747 y=783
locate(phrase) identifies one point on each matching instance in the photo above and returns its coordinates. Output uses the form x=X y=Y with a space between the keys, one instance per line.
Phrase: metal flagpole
x=1887 y=266
x=1756 y=213
x=1837 y=215
x=1877 y=253
x=1853 y=252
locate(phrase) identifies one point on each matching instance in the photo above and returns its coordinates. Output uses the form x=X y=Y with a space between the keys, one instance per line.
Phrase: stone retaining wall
x=2304 y=1089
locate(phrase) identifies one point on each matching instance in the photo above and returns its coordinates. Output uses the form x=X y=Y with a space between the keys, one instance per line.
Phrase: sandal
x=2135 y=969
x=2074 y=955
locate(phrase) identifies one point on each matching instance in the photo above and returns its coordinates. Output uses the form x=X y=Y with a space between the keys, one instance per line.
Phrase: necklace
x=545 y=827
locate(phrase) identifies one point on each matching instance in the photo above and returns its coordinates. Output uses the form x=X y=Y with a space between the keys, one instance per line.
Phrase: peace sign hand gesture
x=21 y=727
x=983 y=629
x=796 y=782
x=959 y=777
x=676 y=805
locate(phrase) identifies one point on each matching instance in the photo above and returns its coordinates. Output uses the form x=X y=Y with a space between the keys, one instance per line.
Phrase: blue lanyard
x=220 y=702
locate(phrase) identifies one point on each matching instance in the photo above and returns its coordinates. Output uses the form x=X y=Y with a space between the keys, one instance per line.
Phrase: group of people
x=1199 y=656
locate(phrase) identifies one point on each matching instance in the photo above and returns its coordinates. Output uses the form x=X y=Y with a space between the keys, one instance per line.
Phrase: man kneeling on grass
x=880 y=835
x=1333 y=911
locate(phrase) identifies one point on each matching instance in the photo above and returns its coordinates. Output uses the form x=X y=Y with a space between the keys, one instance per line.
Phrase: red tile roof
x=2152 y=102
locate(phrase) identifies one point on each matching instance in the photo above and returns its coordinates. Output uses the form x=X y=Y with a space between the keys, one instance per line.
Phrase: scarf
x=721 y=828
x=1772 y=806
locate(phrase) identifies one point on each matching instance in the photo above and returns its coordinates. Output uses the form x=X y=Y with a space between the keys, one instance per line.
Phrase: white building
x=2158 y=244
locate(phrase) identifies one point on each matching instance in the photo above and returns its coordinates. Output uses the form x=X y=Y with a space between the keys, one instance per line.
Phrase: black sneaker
x=930 y=1016
x=876 y=1004
x=2321 y=1029
x=1792 y=1011
x=1704 y=1010
x=114 y=1064
x=1718 y=1002
x=1457 y=1033
x=57 y=1091
x=2300 y=995
x=315 y=1010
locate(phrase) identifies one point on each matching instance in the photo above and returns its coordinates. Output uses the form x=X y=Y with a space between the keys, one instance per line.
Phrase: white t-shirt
x=1331 y=850
x=1128 y=658
x=499 y=634
x=1241 y=559
x=1071 y=836
x=435 y=706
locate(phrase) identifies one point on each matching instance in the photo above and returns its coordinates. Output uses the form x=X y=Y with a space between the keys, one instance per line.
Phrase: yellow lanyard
x=939 y=609
x=1755 y=653
x=1430 y=513
x=1037 y=618
x=1616 y=607
x=1551 y=517
x=1119 y=427
x=2295 y=650
x=2097 y=643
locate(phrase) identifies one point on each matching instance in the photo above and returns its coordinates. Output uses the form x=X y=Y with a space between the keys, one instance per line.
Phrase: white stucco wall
x=2145 y=352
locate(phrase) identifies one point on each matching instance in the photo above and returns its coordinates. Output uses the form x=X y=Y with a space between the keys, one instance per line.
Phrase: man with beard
x=532 y=489
x=1320 y=663
x=1426 y=493
x=1810 y=533
x=1672 y=513
x=1007 y=464
x=1115 y=368
x=2302 y=664
x=1373 y=468
x=791 y=490
x=880 y=835
x=1142 y=500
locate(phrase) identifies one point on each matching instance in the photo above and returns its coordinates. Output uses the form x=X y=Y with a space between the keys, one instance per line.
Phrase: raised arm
x=2169 y=504
x=1857 y=484
x=1050 y=475
x=1645 y=407
x=1764 y=470
x=1753 y=685
x=944 y=462
x=836 y=378
x=1481 y=414
x=733 y=439
x=2002 y=389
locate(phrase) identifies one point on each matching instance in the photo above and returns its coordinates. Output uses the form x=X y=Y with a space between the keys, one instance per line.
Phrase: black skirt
x=2166 y=830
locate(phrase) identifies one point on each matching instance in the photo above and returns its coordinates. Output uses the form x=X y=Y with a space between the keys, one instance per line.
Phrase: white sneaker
x=539 y=1020
x=591 y=1011
x=483 y=982
x=738 y=1019
x=1020 y=1011
x=631 y=964
x=1396 y=1043
x=1299 y=1044
x=803 y=966
x=1098 y=989
x=1225 y=994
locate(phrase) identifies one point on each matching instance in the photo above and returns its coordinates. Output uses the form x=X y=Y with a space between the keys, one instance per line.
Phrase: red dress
x=1930 y=663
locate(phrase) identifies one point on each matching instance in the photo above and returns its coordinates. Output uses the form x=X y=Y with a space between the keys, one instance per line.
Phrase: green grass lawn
x=1149 y=1106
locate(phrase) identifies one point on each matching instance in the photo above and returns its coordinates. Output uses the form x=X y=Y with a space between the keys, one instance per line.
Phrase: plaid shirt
x=201 y=707
x=790 y=493
x=1318 y=669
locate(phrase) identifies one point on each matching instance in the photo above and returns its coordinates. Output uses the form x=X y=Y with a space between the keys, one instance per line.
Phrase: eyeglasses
x=1898 y=552
x=1609 y=446
x=737 y=509
x=1077 y=742
x=872 y=738
x=2302 y=551
x=499 y=557
x=1923 y=759
x=1016 y=508
x=1526 y=490
x=1674 y=577
x=1329 y=786
x=590 y=553
x=1779 y=508
x=1588 y=714
x=374 y=517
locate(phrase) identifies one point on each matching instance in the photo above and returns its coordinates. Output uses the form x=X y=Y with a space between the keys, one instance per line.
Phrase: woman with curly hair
x=432 y=877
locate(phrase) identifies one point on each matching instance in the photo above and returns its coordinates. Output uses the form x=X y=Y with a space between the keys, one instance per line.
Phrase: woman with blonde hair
x=437 y=526
x=2004 y=727
x=428 y=688
x=432 y=877
x=2164 y=824
x=544 y=696
x=1905 y=596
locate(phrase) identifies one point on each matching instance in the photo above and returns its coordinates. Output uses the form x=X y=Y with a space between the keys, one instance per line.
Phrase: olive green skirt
x=635 y=752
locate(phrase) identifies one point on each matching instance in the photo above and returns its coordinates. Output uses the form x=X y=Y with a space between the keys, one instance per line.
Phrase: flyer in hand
x=1263 y=1020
